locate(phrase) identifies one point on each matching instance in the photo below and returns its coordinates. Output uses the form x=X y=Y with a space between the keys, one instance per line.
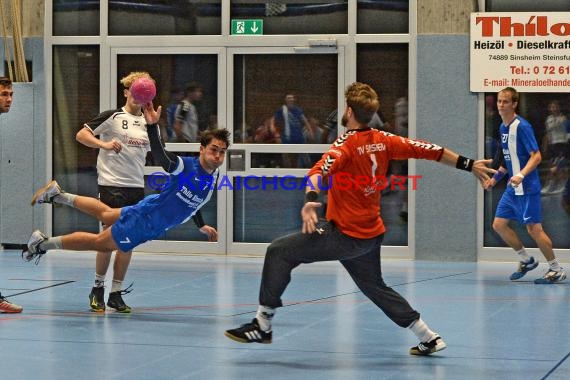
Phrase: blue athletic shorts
x=132 y=228
x=524 y=209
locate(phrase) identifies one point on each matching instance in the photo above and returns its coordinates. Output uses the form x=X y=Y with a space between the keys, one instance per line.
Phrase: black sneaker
x=250 y=333
x=97 y=299
x=428 y=348
x=116 y=300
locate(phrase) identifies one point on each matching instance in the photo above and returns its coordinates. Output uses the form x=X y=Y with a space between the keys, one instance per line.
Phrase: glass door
x=198 y=75
x=277 y=89
x=282 y=105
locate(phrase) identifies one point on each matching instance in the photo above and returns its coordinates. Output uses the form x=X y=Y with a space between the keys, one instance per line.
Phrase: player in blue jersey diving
x=190 y=186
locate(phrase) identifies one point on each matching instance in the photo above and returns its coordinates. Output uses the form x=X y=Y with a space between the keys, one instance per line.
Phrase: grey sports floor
x=494 y=328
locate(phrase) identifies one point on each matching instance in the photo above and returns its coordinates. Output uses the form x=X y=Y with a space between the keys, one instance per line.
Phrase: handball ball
x=143 y=90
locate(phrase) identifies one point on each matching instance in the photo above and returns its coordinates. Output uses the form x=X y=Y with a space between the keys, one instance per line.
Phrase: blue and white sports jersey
x=517 y=142
x=189 y=188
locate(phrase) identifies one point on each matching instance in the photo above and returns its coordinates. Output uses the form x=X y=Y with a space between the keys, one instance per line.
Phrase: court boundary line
x=43 y=287
x=354 y=292
x=556 y=366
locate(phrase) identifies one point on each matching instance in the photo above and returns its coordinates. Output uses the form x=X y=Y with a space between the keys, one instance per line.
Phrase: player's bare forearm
x=533 y=162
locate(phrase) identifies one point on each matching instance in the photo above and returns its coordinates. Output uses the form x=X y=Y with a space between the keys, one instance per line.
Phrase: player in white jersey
x=122 y=140
x=521 y=200
x=190 y=186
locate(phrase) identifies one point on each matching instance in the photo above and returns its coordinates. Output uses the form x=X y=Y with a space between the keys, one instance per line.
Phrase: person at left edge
x=6 y=94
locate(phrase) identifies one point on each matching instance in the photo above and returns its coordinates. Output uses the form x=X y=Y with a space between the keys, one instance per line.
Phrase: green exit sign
x=247 y=27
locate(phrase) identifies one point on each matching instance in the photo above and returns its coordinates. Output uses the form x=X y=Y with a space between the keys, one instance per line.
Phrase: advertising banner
x=529 y=51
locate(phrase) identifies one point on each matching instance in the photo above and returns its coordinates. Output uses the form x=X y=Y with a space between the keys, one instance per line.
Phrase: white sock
x=51 y=243
x=66 y=199
x=554 y=265
x=99 y=280
x=117 y=285
x=422 y=331
x=524 y=257
x=264 y=316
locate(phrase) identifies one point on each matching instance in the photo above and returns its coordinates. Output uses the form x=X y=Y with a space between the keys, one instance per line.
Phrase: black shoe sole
x=126 y=310
x=418 y=352
x=94 y=305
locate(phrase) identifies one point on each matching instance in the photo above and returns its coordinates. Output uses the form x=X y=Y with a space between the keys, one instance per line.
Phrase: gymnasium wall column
x=447 y=114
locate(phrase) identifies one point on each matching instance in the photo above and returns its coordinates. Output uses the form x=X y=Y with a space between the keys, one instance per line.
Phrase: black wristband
x=198 y=220
x=311 y=196
x=464 y=163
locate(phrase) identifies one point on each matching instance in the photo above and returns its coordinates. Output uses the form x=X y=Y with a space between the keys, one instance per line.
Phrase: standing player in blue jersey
x=190 y=186
x=521 y=200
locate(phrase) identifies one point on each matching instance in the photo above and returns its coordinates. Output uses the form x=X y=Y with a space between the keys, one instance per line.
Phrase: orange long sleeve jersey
x=358 y=162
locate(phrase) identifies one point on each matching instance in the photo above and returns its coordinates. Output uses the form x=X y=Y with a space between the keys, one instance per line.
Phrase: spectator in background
x=312 y=136
x=176 y=96
x=186 y=116
x=293 y=127
x=555 y=143
x=213 y=122
x=330 y=128
x=244 y=133
x=378 y=122
x=265 y=133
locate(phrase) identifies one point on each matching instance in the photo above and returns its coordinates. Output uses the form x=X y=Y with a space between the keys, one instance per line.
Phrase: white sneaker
x=47 y=193
x=551 y=277
x=33 y=249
